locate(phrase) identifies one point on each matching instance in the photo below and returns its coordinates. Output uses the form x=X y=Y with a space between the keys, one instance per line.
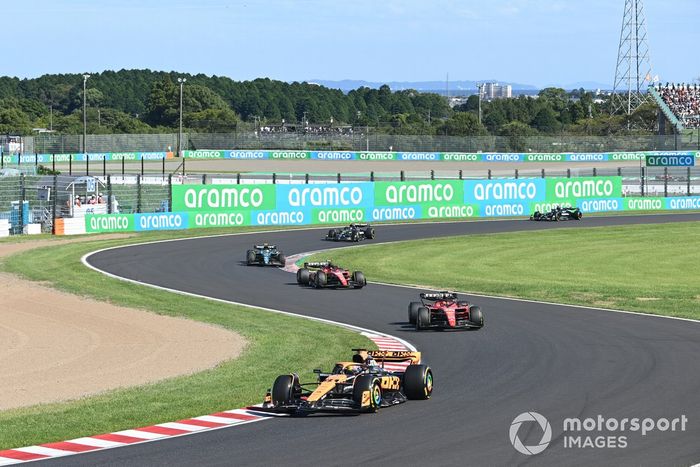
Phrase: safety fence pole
x=109 y=194
x=138 y=193
x=170 y=192
x=53 y=205
x=22 y=195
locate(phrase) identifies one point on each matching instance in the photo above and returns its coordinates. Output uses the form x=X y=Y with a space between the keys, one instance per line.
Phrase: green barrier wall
x=205 y=206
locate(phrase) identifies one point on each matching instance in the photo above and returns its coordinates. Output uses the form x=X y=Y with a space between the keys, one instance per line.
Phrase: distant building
x=490 y=91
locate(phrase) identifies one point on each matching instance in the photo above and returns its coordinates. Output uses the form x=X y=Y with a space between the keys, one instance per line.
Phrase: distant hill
x=587 y=85
x=432 y=86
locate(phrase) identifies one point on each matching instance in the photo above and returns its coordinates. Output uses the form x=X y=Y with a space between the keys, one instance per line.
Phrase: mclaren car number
x=391 y=383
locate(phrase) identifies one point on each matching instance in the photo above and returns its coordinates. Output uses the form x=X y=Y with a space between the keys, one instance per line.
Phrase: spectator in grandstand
x=77 y=201
x=92 y=200
x=684 y=102
x=100 y=199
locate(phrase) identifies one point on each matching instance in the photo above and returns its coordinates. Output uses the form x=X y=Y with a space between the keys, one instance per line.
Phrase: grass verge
x=276 y=344
x=644 y=268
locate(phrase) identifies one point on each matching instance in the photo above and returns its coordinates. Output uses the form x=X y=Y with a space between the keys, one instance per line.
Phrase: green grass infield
x=643 y=268
x=276 y=344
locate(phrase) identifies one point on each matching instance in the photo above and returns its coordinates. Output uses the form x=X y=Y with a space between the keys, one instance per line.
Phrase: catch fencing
x=357 y=138
x=53 y=202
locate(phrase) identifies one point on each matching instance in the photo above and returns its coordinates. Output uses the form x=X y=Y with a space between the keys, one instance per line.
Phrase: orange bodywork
x=326 y=386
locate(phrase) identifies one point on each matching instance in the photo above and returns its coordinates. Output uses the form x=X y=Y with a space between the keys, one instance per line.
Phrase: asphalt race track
x=558 y=361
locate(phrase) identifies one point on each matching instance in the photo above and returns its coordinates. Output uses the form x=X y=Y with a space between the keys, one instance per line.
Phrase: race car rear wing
x=382 y=356
x=261 y=247
x=438 y=296
x=317 y=264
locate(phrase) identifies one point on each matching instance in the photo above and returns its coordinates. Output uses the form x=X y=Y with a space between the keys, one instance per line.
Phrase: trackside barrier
x=204 y=206
x=18 y=159
x=431 y=156
x=34 y=159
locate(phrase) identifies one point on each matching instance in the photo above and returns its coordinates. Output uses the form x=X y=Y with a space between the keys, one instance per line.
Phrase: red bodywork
x=449 y=311
x=343 y=275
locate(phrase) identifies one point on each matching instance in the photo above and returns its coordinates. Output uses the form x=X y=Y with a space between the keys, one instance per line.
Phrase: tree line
x=145 y=101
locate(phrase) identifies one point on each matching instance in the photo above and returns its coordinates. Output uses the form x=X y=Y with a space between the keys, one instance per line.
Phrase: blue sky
x=538 y=42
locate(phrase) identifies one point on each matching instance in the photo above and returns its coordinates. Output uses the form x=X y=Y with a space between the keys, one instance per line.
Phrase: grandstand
x=680 y=103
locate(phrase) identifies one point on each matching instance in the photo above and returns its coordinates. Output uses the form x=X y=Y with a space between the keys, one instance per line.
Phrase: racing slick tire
x=359 y=279
x=320 y=280
x=355 y=236
x=422 y=318
x=369 y=233
x=282 y=259
x=331 y=234
x=413 y=311
x=418 y=382
x=578 y=215
x=250 y=257
x=283 y=390
x=476 y=317
x=367 y=383
x=303 y=276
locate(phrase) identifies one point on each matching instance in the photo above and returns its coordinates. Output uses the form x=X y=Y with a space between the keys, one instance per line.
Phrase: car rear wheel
x=320 y=280
x=413 y=311
x=367 y=393
x=283 y=390
x=359 y=279
x=369 y=233
x=250 y=257
x=303 y=276
x=476 y=317
x=422 y=318
x=282 y=259
x=418 y=382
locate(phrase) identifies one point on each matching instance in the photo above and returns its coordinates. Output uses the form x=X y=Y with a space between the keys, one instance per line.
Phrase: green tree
x=546 y=121
x=213 y=120
x=516 y=134
x=163 y=103
x=14 y=121
x=463 y=124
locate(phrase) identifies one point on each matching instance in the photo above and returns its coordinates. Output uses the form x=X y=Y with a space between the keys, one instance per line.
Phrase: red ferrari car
x=326 y=274
x=442 y=310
